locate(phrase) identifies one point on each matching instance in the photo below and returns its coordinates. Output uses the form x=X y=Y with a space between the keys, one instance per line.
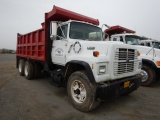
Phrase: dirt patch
x=23 y=99
x=7 y=72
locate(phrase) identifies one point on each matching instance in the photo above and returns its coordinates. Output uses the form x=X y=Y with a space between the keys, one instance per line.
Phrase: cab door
x=59 y=46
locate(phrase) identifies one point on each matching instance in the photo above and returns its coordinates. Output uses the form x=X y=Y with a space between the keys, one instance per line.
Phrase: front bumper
x=117 y=88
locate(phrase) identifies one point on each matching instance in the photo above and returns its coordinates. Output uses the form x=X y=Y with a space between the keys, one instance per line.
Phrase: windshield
x=156 y=45
x=85 y=32
x=132 y=40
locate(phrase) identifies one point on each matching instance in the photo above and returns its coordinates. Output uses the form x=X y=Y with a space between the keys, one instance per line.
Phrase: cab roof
x=117 y=30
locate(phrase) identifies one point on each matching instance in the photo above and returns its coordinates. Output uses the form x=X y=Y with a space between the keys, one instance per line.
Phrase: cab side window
x=114 y=39
x=148 y=44
x=142 y=44
x=118 y=39
x=121 y=39
x=62 y=32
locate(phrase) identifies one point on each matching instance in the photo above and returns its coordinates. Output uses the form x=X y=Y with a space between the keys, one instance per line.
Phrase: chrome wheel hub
x=26 y=70
x=78 y=91
x=20 y=67
x=144 y=75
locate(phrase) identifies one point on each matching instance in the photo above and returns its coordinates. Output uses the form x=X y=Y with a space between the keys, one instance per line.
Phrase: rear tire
x=21 y=67
x=149 y=75
x=28 y=70
x=82 y=92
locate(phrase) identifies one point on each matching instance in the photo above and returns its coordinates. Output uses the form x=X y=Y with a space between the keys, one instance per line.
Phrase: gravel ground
x=22 y=99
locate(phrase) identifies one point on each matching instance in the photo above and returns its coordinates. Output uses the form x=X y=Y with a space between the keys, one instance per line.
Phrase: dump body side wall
x=32 y=45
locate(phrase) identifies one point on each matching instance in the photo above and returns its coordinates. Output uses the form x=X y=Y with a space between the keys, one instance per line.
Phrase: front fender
x=83 y=64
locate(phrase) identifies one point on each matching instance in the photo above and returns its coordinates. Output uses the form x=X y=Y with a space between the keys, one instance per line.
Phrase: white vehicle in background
x=150 y=56
x=150 y=43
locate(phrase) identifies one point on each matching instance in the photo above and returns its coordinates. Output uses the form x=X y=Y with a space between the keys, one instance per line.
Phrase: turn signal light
x=158 y=63
x=96 y=53
x=139 y=54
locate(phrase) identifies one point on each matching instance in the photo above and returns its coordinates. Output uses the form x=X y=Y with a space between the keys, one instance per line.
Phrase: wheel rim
x=145 y=75
x=26 y=70
x=20 y=67
x=78 y=91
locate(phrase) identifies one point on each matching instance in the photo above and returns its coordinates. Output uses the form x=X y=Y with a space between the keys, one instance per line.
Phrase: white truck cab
x=81 y=41
x=150 y=43
x=150 y=55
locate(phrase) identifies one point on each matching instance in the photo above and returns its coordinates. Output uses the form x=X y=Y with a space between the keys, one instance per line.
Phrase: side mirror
x=53 y=30
x=105 y=35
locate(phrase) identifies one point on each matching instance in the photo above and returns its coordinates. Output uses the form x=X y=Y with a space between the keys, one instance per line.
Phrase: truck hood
x=102 y=47
x=148 y=51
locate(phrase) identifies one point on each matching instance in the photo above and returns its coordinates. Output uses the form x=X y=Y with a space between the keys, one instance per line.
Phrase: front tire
x=82 y=92
x=28 y=70
x=149 y=75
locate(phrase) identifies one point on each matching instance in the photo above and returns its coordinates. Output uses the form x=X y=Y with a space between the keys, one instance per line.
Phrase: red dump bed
x=117 y=30
x=34 y=44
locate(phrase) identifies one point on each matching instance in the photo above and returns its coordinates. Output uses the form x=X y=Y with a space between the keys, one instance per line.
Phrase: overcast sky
x=23 y=16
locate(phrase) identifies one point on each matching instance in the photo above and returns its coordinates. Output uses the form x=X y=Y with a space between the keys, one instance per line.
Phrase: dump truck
x=71 y=48
x=150 y=55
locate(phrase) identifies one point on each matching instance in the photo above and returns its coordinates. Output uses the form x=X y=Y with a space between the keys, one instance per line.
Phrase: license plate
x=126 y=84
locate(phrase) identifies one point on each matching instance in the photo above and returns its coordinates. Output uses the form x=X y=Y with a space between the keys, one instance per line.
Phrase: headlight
x=102 y=69
x=140 y=65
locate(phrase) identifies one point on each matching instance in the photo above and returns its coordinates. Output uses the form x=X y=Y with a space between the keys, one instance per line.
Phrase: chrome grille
x=125 y=61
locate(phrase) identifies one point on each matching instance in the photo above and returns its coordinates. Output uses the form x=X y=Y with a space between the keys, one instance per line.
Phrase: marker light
x=139 y=53
x=158 y=63
x=96 y=53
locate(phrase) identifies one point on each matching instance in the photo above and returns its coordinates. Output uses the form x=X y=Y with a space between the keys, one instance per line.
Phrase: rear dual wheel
x=21 y=67
x=28 y=70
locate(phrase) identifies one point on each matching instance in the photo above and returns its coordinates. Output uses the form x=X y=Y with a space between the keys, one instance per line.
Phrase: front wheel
x=149 y=75
x=81 y=92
